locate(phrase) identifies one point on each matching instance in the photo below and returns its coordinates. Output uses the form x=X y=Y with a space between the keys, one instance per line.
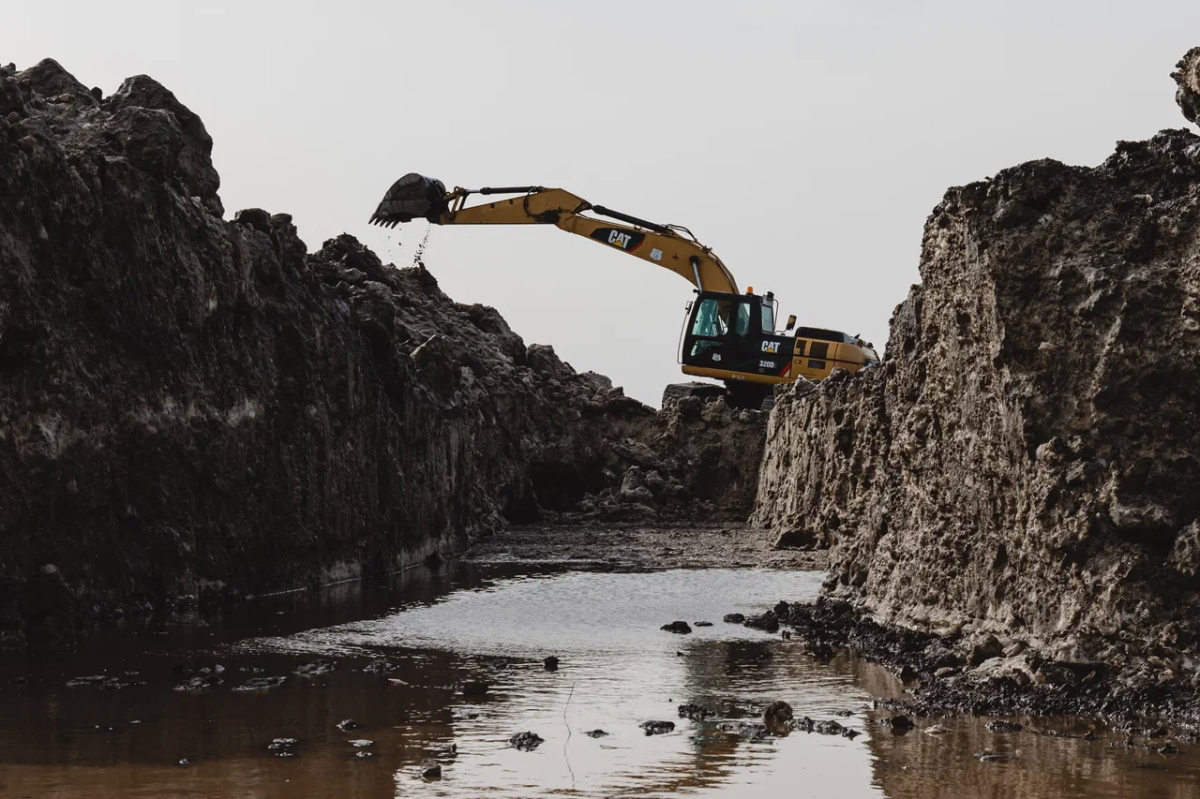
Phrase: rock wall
x=1026 y=459
x=190 y=405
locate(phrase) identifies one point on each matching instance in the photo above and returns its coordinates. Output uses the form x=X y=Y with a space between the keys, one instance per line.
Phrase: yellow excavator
x=728 y=335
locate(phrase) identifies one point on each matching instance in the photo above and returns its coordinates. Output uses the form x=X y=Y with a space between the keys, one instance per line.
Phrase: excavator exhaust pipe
x=411 y=197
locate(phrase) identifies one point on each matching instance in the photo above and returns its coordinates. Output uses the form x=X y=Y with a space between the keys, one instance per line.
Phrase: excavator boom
x=668 y=246
x=727 y=335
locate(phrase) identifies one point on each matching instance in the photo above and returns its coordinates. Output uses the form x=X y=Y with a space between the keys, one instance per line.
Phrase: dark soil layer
x=196 y=407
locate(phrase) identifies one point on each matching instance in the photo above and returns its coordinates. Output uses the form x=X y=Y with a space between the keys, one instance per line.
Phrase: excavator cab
x=732 y=337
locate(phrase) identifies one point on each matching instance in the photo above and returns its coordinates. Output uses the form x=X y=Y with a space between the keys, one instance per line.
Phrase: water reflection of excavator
x=728 y=335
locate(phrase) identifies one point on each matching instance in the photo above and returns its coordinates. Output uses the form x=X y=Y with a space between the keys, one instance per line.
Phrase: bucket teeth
x=412 y=196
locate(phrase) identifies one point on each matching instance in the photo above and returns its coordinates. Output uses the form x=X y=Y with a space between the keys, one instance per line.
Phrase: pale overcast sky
x=806 y=142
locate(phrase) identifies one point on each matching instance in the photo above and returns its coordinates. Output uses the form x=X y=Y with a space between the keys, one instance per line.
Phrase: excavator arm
x=669 y=246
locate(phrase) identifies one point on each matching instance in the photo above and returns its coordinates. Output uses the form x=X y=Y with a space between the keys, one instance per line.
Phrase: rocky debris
x=657 y=727
x=431 y=769
x=318 y=668
x=364 y=754
x=825 y=727
x=261 y=683
x=898 y=724
x=694 y=712
x=199 y=683
x=526 y=741
x=999 y=473
x=988 y=756
x=989 y=647
x=744 y=729
x=550 y=663
x=284 y=747
x=380 y=666
x=105 y=682
x=360 y=743
x=596 y=733
x=702 y=624
x=679 y=627
x=734 y=618
x=239 y=415
x=777 y=714
x=475 y=688
x=767 y=622
x=1001 y=726
x=345 y=725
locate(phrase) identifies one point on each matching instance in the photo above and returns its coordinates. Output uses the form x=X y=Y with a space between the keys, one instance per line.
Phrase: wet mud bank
x=1017 y=481
x=945 y=675
x=195 y=409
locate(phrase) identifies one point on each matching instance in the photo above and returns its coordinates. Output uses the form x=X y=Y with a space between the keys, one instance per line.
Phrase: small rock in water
x=283 y=743
x=380 y=667
x=657 y=727
x=361 y=743
x=745 y=730
x=198 y=684
x=364 y=753
x=988 y=756
x=899 y=723
x=261 y=683
x=777 y=713
x=550 y=663
x=445 y=750
x=597 y=733
x=317 y=668
x=347 y=724
x=1003 y=726
x=702 y=624
x=680 y=627
x=734 y=618
x=936 y=729
x=767 y=622
x=183 y=761
x=526 y=741
x=431 y=769
x=829 y=727
x=694 y=712
x=475 y=688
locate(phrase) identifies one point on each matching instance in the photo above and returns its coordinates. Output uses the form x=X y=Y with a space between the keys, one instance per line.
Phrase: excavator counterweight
x=728 y=335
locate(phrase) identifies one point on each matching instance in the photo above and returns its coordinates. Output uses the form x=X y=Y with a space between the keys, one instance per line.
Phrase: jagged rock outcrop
x=193 y=405
x=1026 y=458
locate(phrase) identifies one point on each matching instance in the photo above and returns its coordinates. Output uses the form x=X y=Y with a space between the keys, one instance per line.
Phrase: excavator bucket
x=411 y=197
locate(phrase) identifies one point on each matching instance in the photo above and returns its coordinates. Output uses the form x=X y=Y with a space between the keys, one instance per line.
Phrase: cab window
x=768 y=318
x=712 y=319
x=742 y=327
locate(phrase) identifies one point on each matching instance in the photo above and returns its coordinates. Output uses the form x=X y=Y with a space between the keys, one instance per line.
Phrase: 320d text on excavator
x=728 y=335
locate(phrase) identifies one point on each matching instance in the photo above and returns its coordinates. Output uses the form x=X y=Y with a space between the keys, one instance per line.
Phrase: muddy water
x=154 y=697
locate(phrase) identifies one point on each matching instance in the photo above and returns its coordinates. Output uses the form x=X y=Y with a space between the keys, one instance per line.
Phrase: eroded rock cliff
x=1026 y=459
x=192 y=405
